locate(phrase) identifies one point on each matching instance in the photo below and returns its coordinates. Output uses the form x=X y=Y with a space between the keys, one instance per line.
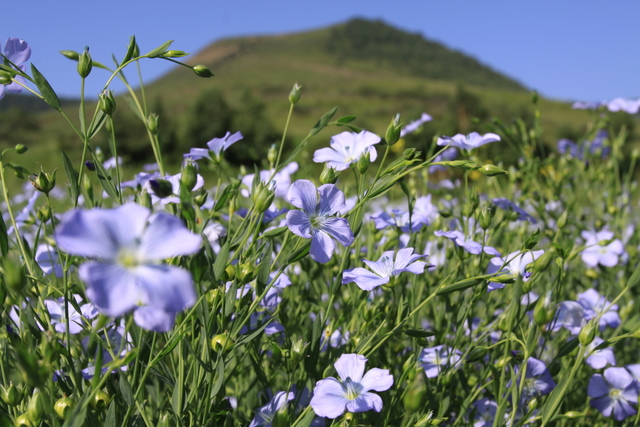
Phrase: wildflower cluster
x=390 y=289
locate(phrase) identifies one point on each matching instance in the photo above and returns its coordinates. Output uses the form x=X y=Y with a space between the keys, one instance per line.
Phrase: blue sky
x=568 y=50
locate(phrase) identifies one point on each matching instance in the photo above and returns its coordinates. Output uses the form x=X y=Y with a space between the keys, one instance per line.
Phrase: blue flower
x=538 y=381
x=332 y=396
x=216 y=146
x=615 y=392
x=434 y=359
x=78 y=320
x=594 y=304
x=596 y=254
x=468 y=142
x=385 y=268
x=18 y=52
x=347 y=148
x=468 y=245
x=508 y=205
x=414 y=125
x=127 y=274
x=314 y=221
x=264 y=416
x=598 y=359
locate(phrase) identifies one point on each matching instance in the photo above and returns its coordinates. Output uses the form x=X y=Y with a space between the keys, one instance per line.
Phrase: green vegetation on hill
x=367 y=68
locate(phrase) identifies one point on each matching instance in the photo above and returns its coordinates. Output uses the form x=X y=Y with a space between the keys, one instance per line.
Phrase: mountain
x=369 y=69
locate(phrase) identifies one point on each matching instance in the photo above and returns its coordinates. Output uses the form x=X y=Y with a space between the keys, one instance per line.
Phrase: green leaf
x=324 y=120
x=275 y=232
x=567 y=348
x=130 y=50
x=97 y=123
x=176 y=400
x=159 y=50
x=105 y=180
x=220 y=264
x=346 y=119
x=635 y=278
x=300 y=253
x=219 y=377
x=262 y=278
x=4 y=238
x=72 y=176
x=47 y=92
x=459 y=286
x=125 y=389
x=418 y=333
x=110 y=419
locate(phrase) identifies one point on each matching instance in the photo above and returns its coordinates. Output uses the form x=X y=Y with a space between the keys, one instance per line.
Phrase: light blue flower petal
x=299 y=224
x=329 y=398
x=365 y=279
x=17 y=50
x=331 y=199
x=350 y=365
x=365 y=402
x=154 y=319
x=303 y=194
x=101 y=233
x=166 y=287
x=377 y=379
x=111 y=288
x=167 y=237
x=339 y=229
x=321 y=247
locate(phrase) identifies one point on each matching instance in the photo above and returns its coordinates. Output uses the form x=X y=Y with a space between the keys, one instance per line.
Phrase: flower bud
x=491 y=170
x=298 y=351
x=543 y=261
x=161 y=187
x=90 y=165
x=202 y=71
x=152 y=123
x=230 y=271
x=71 y=54
x=478 y=353
x=486 y=216
x=85 y=63
x=329 y=175
x=363 y=162
x=36 y=407
x=21 y=149
x=272 y=154
x=10 y=395
x=221 y=343
x=189 y=175
x=587 y=333
x=246 y=273
x=393 y=131
x=544 y=311
x=174 y=54
x=24 y=421
x=14 y=275
x=44 y=182
x=413 y=398
x=562 y=220
x=294 y=95
x=100 y=401
x=410 y=154
x=6 y=77
x=107 y=102
x=63 y=407
x=144 y=199
x=573 y=414
x=263 y=196
x=201 y=198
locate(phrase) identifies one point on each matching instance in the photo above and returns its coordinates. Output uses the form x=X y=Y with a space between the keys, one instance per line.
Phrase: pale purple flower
x=538 y=381
x=139 y=181
x=435 y=359
x=48 y=260
x=77 y=320
x=282 y=180
x=468 y=142
x=215 y=147
x=385 y=268
x=594 y=304
x=586 y=105
x=398 y=218
x=468 y=245
x=314 y=221
x=449 y=154
x=615 y=393
x=508 y=205
x=598 y=359
x=347 y=148
x=570 y=315
x=175 y=189
x=594 y=254
x=127 y=274
x=351 y=392
x=18 y=52
x=414 y=125
x=515 y=263
x=629 y=106
x=114 y=342
x=264 y=415
x=484 y=412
